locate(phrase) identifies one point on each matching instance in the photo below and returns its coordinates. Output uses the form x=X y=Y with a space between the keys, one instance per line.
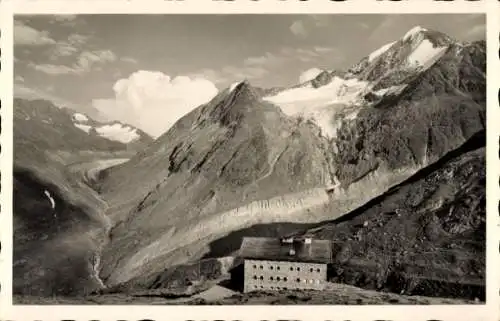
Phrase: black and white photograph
x=249 y=159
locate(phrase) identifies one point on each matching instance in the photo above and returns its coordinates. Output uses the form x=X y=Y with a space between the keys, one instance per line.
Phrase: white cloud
x=241 y=73
x=53 y=69
x=26 y=35
x=153 y=101
x=22 y=91
x=85 y=61
x=302 y=27
x=89 y=58
x=267 y=58
x=64 y=49
x=309 y=74
x=298 y=28
x=77 y=39
x=129 y=60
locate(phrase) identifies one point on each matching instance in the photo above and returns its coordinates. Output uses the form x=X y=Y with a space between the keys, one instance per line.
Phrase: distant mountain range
x=386 y=159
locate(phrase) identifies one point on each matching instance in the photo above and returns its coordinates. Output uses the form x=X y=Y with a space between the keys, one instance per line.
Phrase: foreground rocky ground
x=336 y=294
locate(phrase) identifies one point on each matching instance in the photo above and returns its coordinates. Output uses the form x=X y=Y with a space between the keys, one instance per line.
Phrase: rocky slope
x=243 y=159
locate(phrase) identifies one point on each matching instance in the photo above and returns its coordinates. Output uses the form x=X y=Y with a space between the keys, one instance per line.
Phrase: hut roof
x=273 y=249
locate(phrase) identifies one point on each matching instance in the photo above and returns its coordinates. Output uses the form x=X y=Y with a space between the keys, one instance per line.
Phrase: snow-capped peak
x=413 y=31
x=234 y=85
x=380 y=51
x=112 y=131
x=310 y=74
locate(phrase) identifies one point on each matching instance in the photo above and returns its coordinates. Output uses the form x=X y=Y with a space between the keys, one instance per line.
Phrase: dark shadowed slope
x=59 y=221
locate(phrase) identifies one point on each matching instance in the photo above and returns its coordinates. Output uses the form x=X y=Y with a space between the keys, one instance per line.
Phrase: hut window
x=255 y=277
x=298 y=268
x=278 y=268
x=278 y=278
x=261 y=277
x=255 y=286
x=285 y=279
x=271 y=278
x=318 y=270
x=311 y=269
x=271 y=267
x=285 y=288
x=298 y=280
x=261 y=267
x=291 y=268
x=254 y=266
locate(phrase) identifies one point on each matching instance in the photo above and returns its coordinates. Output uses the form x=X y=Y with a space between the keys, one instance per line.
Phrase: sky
x=132 y=67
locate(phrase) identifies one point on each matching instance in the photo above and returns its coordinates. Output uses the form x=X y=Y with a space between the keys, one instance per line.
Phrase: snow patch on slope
x=309 y=74
x=51 y=200
x=425 y=54
x=380 y=51
x=80 y=117
x=390 y=90
x=413 y=31
x=85 y=128
x=233 y=85
x=118 y=132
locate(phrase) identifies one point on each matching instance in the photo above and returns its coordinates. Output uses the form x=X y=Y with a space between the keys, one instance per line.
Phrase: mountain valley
x=385 y=159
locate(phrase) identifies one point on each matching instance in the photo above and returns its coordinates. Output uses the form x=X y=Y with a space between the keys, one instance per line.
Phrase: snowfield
x=118 y=132
x=380 y=51
x=425 y=54
x=322 y=104
x=85 y=128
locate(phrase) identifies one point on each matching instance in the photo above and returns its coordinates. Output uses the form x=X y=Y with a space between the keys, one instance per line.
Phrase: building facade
x=283 y=275
x=282 y=264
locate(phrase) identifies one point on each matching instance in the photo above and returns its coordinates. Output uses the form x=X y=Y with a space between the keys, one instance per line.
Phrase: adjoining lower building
x=286 y=263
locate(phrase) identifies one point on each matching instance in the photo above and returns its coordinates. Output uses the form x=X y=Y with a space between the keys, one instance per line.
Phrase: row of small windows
x=285 y=279
x=272 y=287
x=291 y=268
